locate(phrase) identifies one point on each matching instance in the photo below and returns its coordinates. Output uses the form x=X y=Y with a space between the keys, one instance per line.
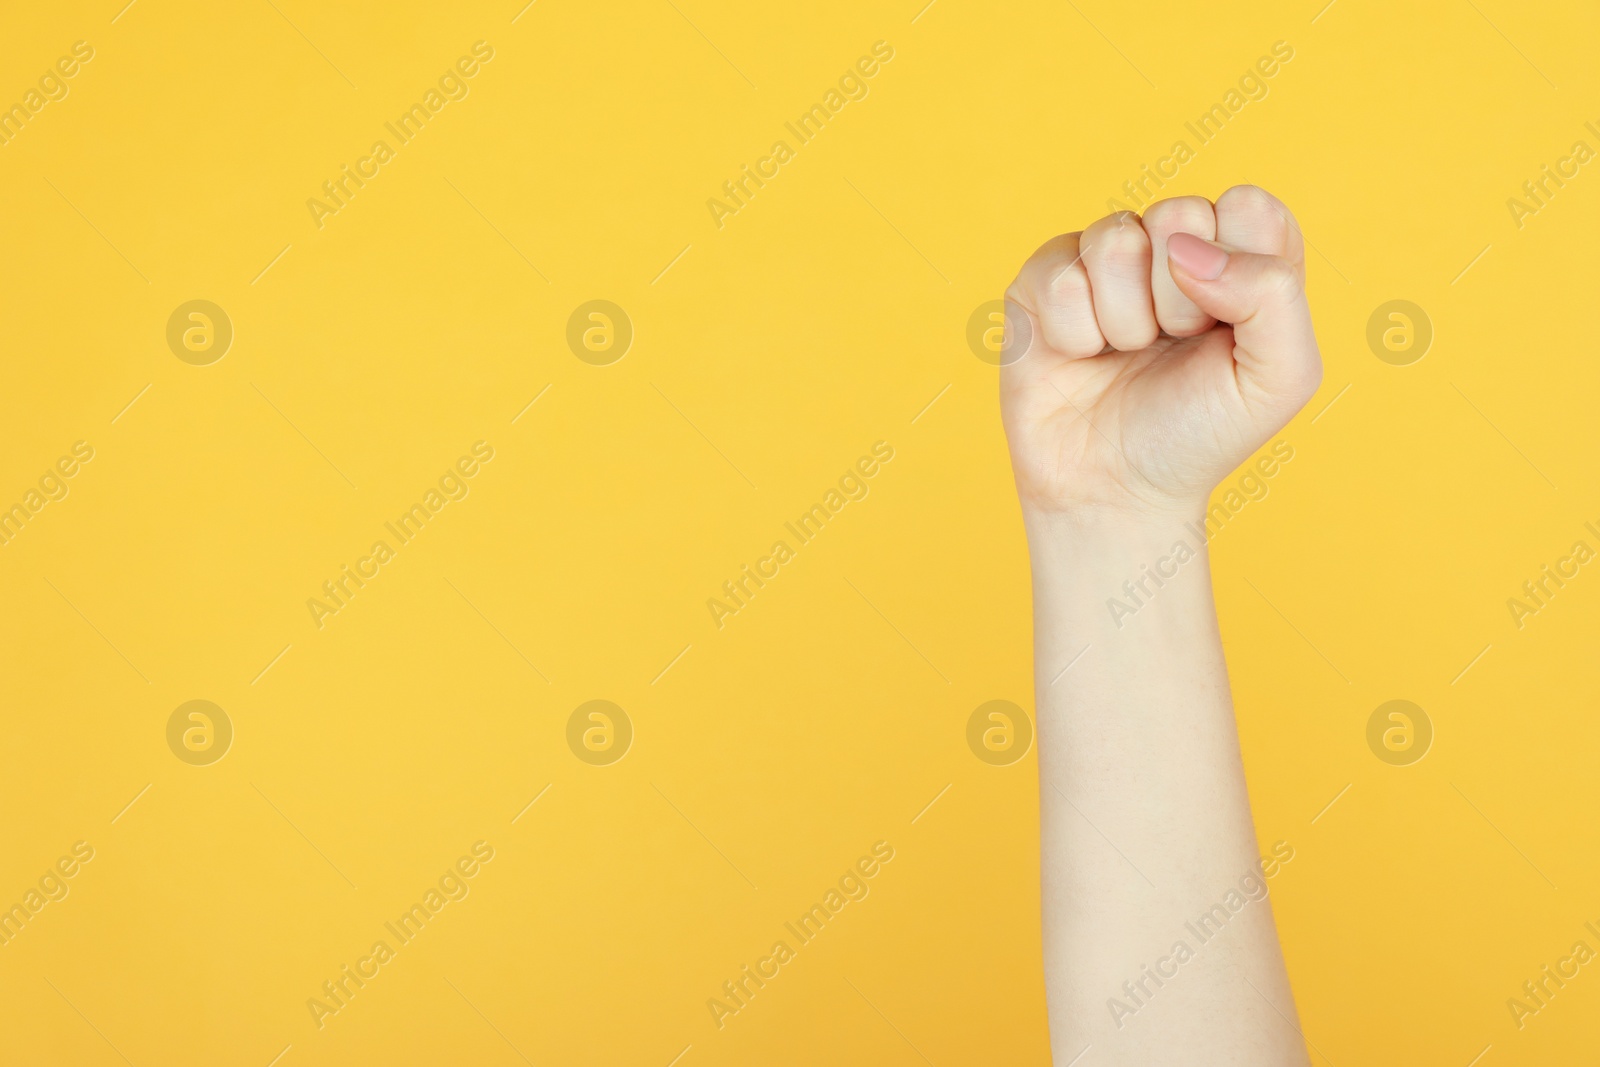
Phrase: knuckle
x=1281 y=279
x=1122 y=227
x=1118 y=247
x=1060 y=244
x=1249 y=196
x=1257 y=209
x=1032 y=285
x=1067 y=285
x=1186 y=214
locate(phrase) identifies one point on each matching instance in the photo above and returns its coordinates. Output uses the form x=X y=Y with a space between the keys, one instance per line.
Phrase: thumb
x=1264 y=299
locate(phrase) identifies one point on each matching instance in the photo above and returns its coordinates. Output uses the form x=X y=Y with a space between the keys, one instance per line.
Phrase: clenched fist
x=1163 y=351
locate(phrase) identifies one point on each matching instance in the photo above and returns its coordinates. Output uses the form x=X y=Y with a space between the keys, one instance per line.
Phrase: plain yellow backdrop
x=769 y=353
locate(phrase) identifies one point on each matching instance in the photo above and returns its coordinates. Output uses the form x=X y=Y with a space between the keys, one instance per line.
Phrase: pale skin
x=1164 y=351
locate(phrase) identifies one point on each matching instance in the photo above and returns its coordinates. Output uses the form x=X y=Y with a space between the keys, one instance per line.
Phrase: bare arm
x=1131 y=397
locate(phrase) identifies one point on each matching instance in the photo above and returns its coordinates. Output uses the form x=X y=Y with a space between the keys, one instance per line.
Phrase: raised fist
x=1151 y=356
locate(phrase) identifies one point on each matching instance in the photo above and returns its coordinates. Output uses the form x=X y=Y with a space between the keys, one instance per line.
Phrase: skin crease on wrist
x=1162 y=351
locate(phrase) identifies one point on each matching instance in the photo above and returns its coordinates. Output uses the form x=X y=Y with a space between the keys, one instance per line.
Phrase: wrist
x=1095 y=570
x=1132 y=522
x=1094 y=552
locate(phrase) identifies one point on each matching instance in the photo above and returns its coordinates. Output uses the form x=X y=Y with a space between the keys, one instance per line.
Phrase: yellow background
x=824 y=316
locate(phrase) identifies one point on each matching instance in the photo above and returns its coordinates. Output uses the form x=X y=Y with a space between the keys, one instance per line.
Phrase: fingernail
x=1197 y=256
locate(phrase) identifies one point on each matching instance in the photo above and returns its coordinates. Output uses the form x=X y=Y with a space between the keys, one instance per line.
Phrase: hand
x=1163 y=351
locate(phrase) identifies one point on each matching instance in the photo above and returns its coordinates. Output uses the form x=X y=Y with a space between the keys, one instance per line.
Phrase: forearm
x=1144 y=813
